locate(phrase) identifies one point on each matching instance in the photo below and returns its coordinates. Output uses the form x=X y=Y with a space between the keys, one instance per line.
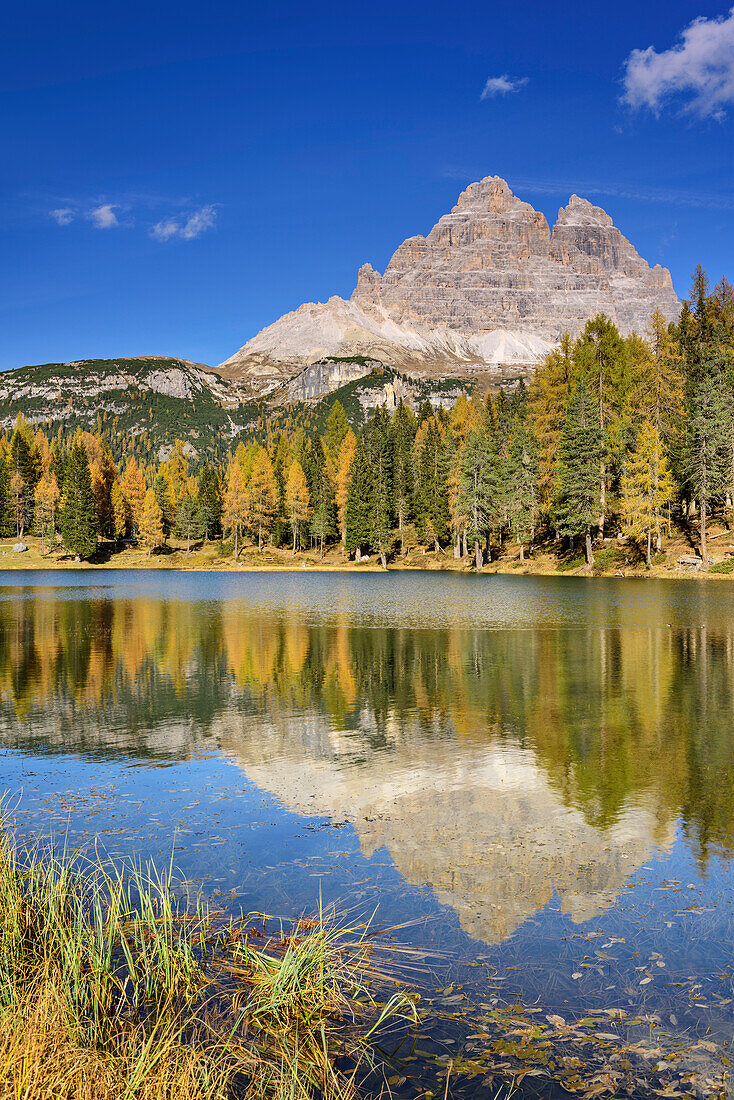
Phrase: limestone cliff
x=489 y=287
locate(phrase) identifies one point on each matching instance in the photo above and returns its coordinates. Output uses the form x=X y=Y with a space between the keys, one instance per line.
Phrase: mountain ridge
x=490 y=286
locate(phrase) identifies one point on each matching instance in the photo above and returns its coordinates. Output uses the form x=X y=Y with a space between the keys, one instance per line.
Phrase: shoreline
x=228 y=566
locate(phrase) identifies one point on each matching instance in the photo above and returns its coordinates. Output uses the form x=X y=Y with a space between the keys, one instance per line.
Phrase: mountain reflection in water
x=500 y=766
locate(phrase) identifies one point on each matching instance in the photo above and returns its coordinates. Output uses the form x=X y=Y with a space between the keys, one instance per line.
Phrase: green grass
x=610 y=558
x=570 y=563
x=111 y=988
x=726 y=566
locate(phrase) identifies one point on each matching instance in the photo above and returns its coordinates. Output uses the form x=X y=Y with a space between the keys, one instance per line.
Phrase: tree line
x=612 y=434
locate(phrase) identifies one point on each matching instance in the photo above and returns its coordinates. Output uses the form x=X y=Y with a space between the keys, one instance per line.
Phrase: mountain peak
x=582 y=212
x=488 y=286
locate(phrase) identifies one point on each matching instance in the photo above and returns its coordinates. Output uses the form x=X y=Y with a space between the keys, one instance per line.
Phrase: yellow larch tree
x=262 y=498
x=297 y=501
x=343 y=466
x=235 y=504
x=132 y=484
x=47 y=498
x=647 y=485
x=150 y=526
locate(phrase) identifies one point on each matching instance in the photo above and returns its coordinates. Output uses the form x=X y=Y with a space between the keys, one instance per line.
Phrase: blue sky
x=175 y=176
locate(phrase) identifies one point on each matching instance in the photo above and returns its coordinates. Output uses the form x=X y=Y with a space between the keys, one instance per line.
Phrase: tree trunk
x=522 y=552
x=589 y=551
x=704 y=550
x=383 y=558
x=294 y=543
x=457 y=546
x=478 y=559
x=602 y=500
x=649 y=544
x=236 y=542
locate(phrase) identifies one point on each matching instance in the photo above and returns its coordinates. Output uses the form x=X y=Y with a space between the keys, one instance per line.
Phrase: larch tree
x=234 y=514
x=133 y=488
x=297 y=501
x=120 y=513
x=647 y=486
x=343 y=467
x=47 y=502
x=262 y=498
x=150 y=529
x=547 y=396
x=337 y=428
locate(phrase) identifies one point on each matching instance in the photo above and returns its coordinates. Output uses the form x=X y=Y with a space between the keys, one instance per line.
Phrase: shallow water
x=537 y=773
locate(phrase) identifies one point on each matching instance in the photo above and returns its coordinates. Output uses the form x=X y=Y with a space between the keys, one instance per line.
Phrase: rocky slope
x=161 y=397
x=489 y=288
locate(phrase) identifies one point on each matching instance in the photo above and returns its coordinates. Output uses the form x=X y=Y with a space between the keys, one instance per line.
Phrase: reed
x=114 y=988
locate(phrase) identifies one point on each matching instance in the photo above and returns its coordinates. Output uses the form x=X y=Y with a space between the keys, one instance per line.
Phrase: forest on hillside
x=613 y=434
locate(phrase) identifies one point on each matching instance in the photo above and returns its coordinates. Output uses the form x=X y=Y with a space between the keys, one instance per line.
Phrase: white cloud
x=501 y=85
x=187 y=228
x=164 y=230
x=700 y=69
x=64 y=216
x=104 y=217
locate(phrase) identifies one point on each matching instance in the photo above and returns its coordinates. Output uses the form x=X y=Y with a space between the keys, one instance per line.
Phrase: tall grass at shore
x=112 y=989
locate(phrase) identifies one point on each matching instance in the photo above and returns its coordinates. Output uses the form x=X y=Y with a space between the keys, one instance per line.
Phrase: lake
x=531 y=777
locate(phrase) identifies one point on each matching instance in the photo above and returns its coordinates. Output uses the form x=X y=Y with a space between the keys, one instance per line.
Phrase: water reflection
x=503 y=767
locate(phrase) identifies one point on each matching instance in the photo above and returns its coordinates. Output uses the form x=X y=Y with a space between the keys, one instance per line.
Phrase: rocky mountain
x=161 y=397
x=489 y=288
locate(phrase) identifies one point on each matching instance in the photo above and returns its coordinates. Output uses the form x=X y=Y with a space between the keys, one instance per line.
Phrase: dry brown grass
x=112 y=989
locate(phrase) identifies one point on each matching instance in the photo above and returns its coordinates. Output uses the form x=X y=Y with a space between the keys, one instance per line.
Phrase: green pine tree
x=5 y=520
x=403 y=430
x=210 y=501
x=190 y=523
x=708 y=450
x=162 y=494
x=359 y=498
x=381 y=502
x=78 y=516
x=578 y=493
x=432 y=498
x=478 y=487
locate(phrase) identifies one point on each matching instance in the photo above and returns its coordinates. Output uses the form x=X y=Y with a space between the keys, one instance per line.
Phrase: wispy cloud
x=699 y=71
x=187 y=228
x=63 y=216
x=502 y=85
x=561 y=188
x=104 y=217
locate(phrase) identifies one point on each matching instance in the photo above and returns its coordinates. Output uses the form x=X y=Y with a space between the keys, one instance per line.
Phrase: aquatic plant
x=113 y=988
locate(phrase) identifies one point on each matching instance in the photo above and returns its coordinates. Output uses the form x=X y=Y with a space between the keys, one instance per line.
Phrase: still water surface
x=538 y=772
